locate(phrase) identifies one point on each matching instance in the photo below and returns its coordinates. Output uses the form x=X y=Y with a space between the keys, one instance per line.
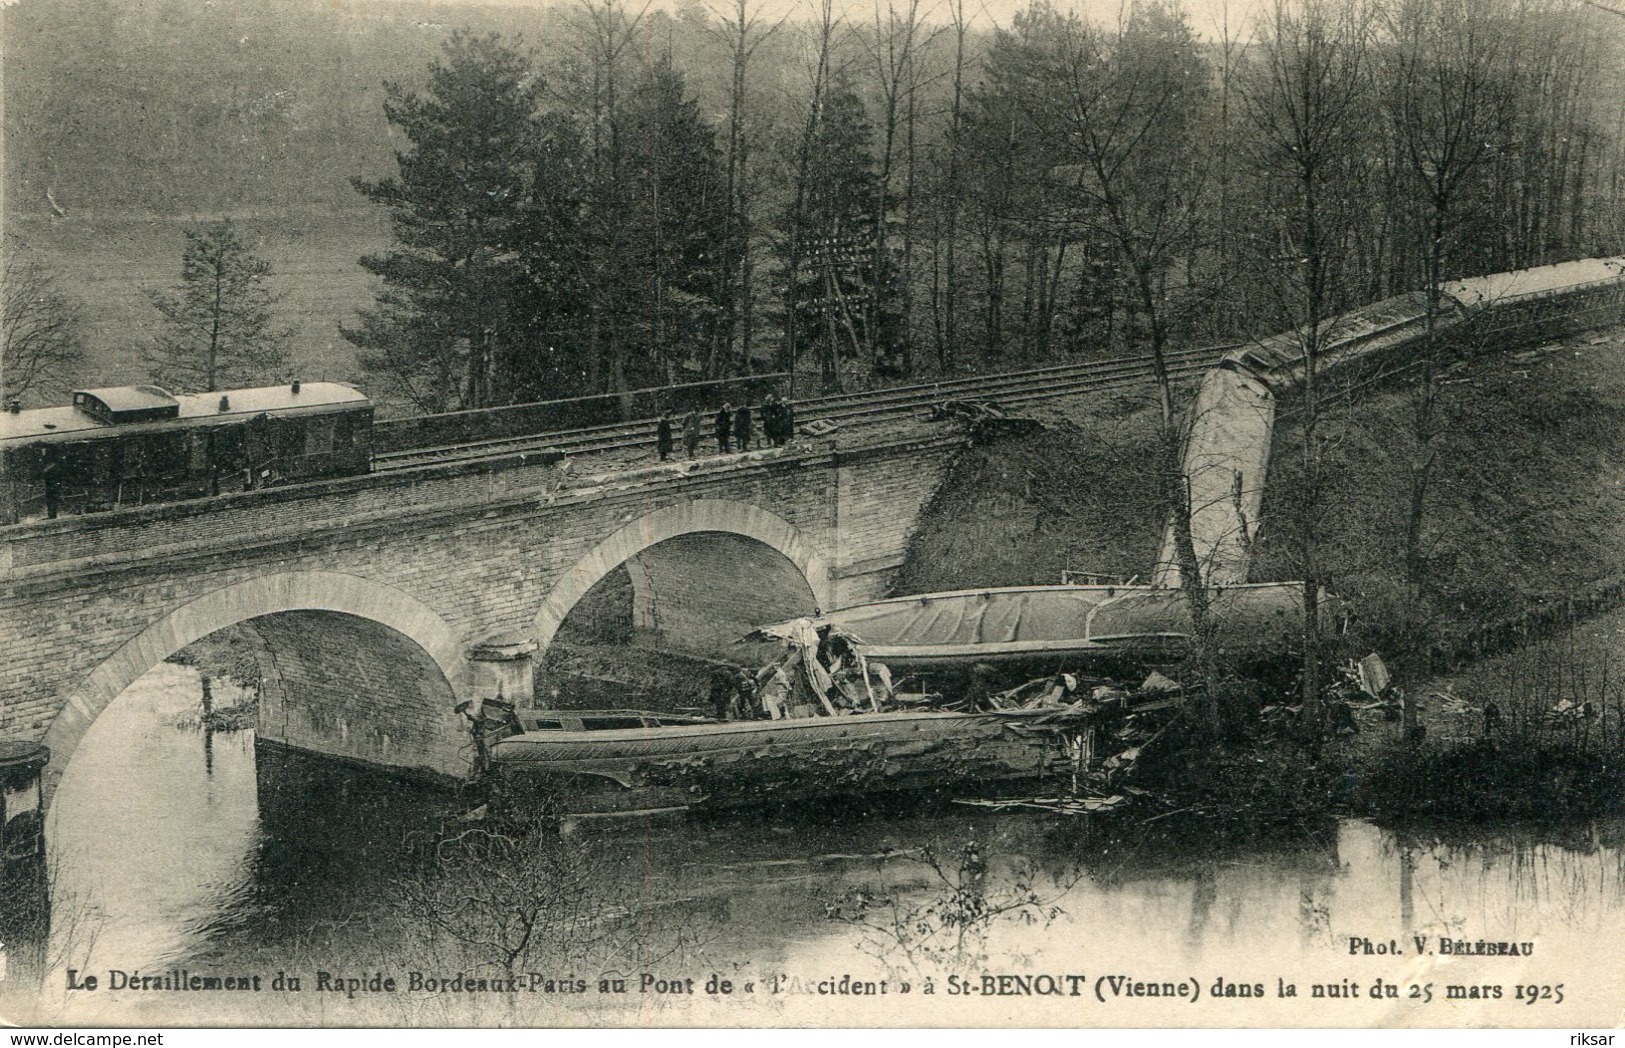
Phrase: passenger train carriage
x=1475 y=315
x=131 y=445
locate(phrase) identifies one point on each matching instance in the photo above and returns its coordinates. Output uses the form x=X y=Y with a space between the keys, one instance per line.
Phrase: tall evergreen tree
x=218 y=330
x=475 y=290
x=600 y=67
x=679 y=296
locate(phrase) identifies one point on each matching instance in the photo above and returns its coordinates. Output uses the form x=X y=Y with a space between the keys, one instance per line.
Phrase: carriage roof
x=157 y=411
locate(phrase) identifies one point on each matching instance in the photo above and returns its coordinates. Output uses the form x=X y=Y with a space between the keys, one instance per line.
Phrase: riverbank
x=1535 y=734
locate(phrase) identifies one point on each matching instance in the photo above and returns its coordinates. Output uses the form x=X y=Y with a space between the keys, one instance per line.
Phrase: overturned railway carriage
x=1017 y=632
x=1227 y=453
x=133 y=445
x=625 y=762
x=1475 y=315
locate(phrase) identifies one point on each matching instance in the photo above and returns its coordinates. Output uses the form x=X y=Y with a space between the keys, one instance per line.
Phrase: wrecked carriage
x=821 y=719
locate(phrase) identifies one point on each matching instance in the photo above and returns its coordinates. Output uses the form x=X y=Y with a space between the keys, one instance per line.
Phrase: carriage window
x=319 y=436
x=611 y=723
x=198 y=453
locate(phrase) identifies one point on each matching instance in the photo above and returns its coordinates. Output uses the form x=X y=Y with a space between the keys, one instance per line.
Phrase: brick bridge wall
x=356 y=585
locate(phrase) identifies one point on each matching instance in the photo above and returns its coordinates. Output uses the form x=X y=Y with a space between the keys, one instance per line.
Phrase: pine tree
x=680 y=206
x=831 y=227
x=218 y=320
x=479 y=288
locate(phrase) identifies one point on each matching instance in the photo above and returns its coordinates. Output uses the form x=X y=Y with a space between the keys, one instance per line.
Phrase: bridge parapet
x=146 y=532
x=438 y=558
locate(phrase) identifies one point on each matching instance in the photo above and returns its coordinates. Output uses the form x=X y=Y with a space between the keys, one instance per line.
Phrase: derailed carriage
x=124 y=446
x=1476 y=314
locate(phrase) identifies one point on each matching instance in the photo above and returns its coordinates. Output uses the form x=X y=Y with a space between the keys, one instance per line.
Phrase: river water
x=175 y=854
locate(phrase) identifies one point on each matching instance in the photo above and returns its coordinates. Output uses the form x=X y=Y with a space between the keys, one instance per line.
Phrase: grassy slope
x=1525 y=509
x=1525 y=505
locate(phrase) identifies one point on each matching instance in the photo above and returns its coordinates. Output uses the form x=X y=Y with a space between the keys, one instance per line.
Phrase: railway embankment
x=1075 y=496
x=1525 y=510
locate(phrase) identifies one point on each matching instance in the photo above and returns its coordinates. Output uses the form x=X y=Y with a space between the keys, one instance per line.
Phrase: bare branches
x=41 y=345
x=949 y=927
x=526 y=899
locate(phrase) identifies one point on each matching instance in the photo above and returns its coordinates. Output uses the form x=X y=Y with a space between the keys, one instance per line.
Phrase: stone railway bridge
x=376 y=603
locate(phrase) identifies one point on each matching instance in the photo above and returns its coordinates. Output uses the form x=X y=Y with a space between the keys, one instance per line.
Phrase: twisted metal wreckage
x=826 y=716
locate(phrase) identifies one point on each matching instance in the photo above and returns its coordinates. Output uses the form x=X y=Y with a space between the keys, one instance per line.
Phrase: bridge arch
x=302 y=591
x=673 y=522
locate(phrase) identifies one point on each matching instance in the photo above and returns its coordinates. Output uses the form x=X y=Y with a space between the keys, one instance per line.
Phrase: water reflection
x=149 y=838
x=166 y=857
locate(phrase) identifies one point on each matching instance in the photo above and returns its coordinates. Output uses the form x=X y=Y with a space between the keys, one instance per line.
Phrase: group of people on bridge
x=733 y=428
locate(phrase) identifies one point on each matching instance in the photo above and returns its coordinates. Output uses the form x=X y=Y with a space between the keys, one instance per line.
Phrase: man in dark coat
x=725 y=426
x=722 y=694
x=770 y=419
x=663 y=435
x=742 y=427
x=787 y=422
x=691 y=432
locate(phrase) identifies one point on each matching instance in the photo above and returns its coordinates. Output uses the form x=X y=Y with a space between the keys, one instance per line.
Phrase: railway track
x=876 y=406
x=844 y=409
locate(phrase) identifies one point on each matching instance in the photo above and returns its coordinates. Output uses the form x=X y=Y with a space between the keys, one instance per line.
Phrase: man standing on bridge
x=691 y=432
x=725 y=425
x=771 y=419
x=663 y=435
x=742 y=427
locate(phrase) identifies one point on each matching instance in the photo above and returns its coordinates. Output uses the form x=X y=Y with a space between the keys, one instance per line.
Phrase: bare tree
x=1447 y=61
x=967 y=900
x=515 y=900
x=945 y=275
x=795 y=247
x=605 y=37
x=1229 y=242
x=41 y=343
x=898 y=36
x=744 y=33
x=1018 y=128
x=1133 y=103
x=1305 y=102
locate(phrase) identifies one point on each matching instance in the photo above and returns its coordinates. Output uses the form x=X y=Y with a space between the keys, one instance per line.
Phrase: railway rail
x=845 y=409
x=1521 y=331
x=871 y=407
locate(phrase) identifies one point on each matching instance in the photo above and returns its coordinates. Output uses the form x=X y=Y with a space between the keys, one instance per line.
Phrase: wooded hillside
x=859 y=197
